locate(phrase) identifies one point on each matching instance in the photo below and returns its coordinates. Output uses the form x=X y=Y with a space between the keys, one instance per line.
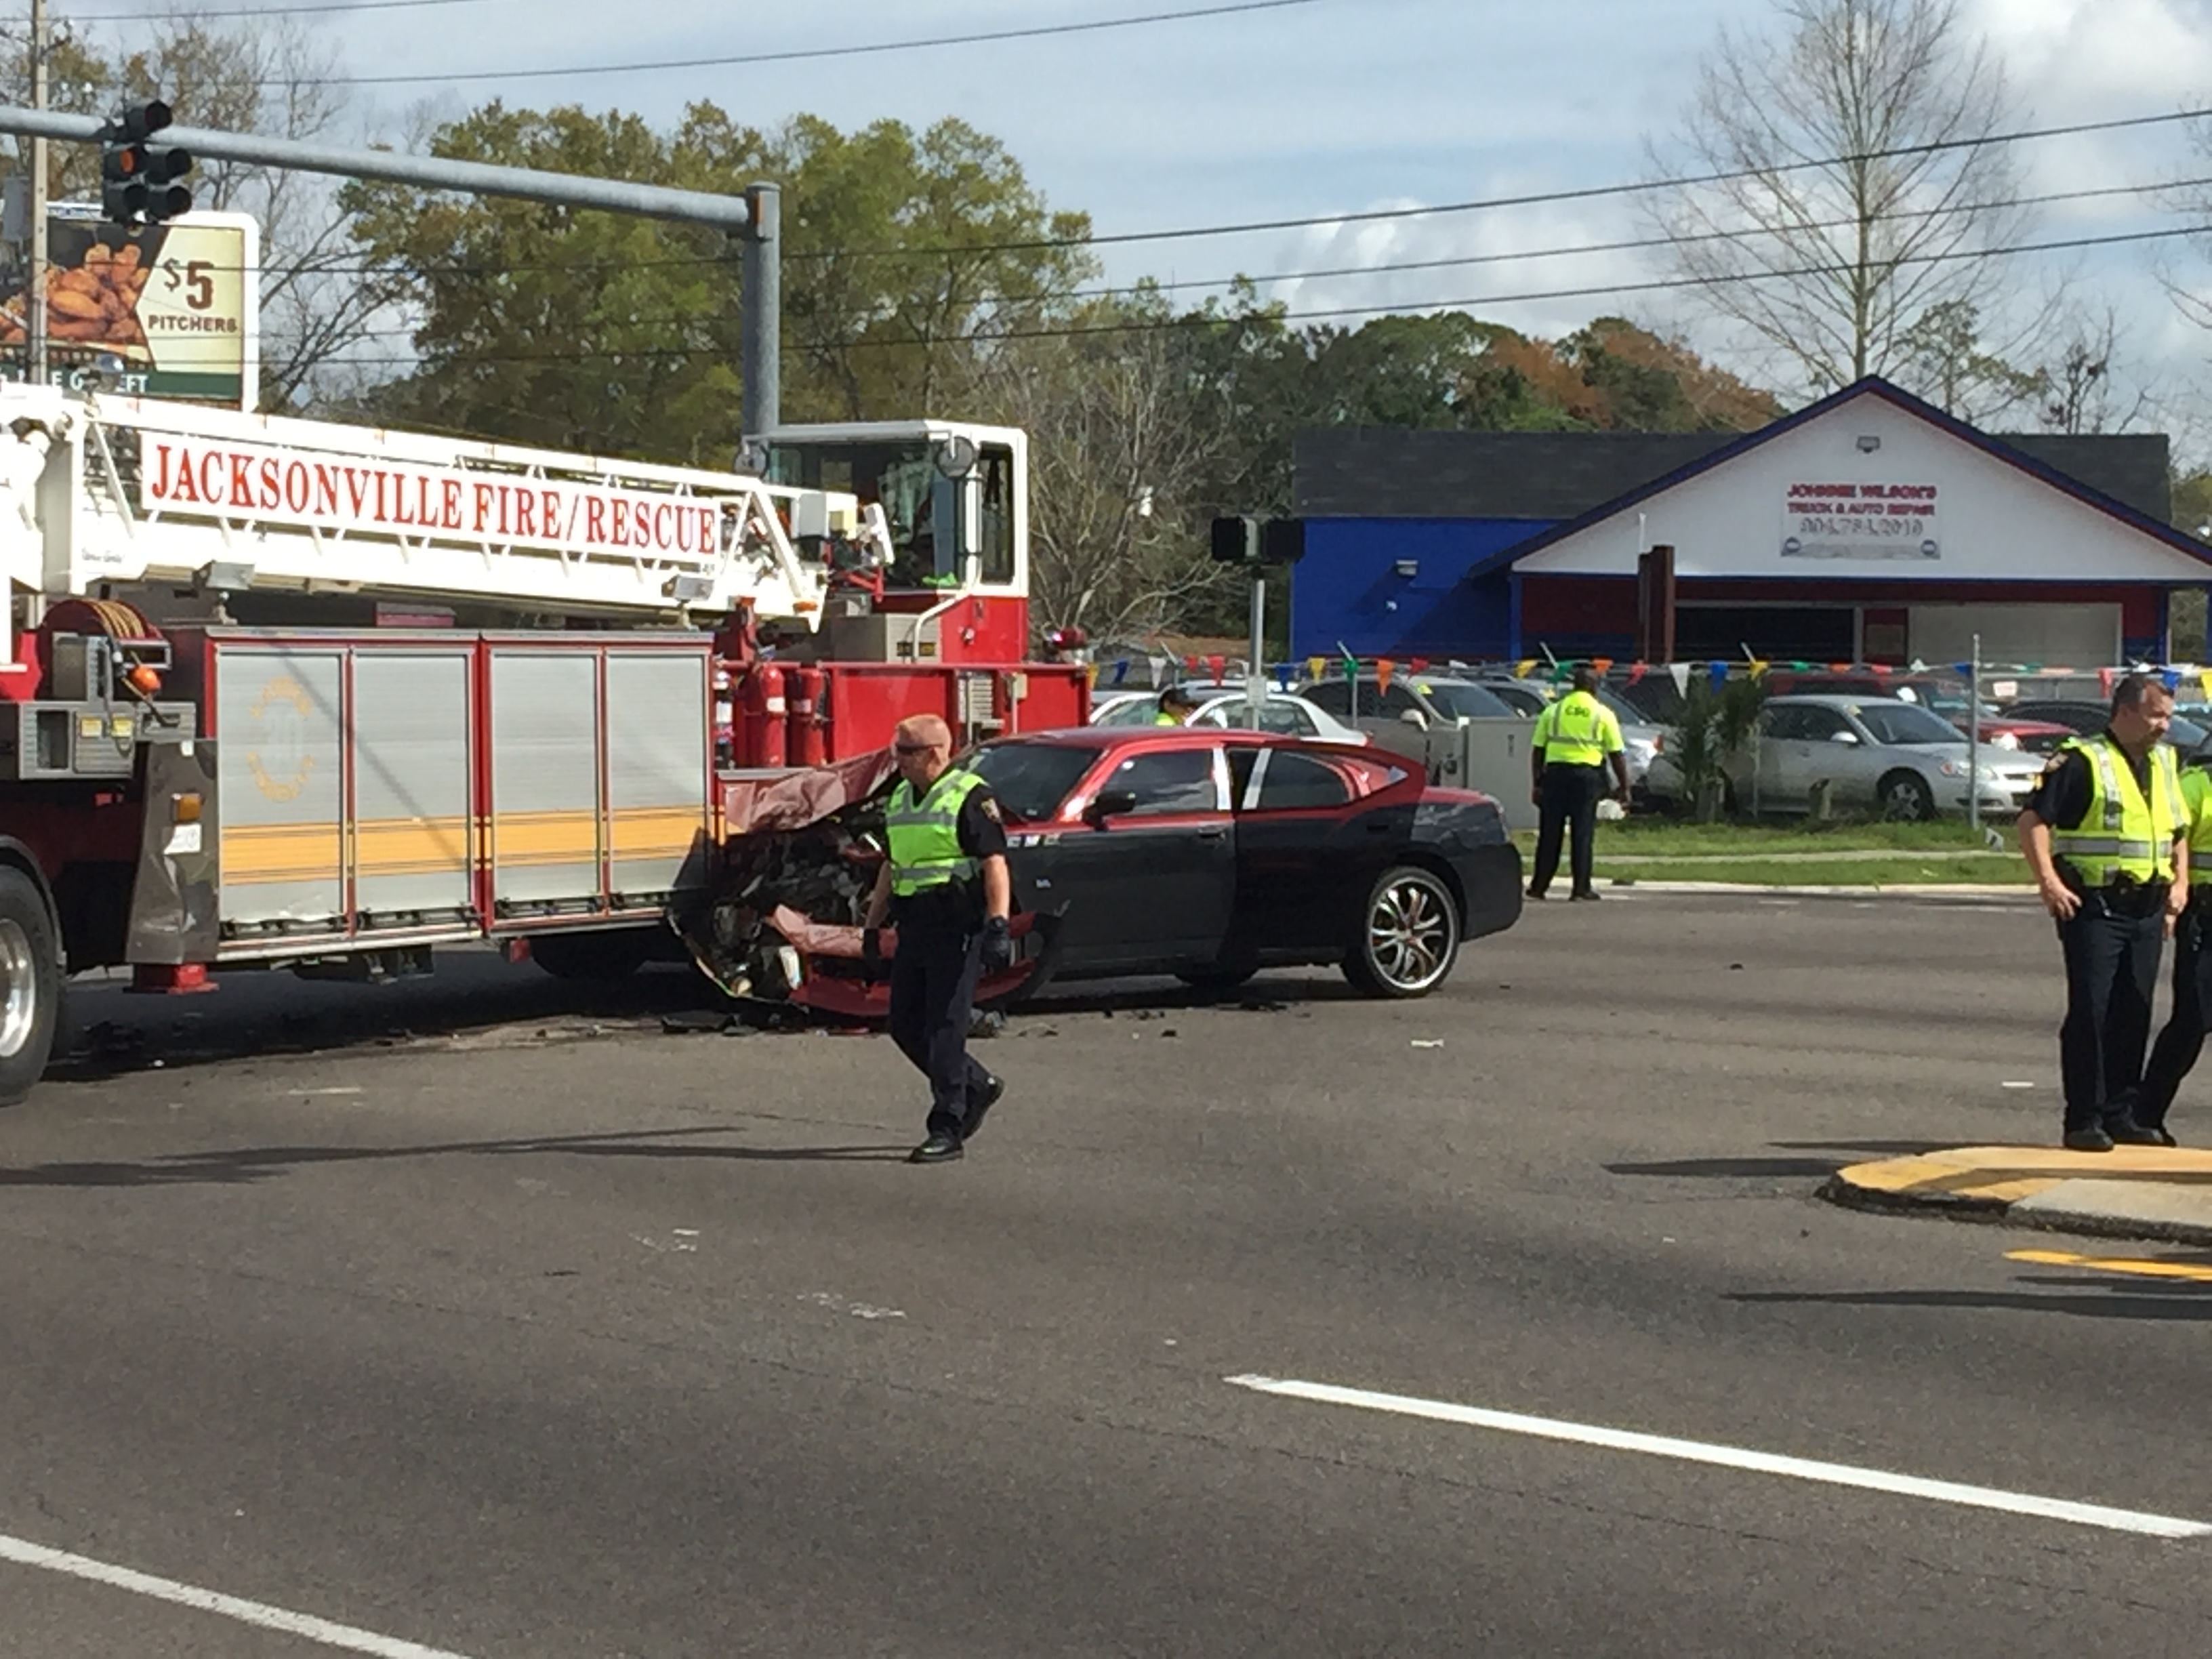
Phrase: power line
x=1207 y=319
x=1034 y=32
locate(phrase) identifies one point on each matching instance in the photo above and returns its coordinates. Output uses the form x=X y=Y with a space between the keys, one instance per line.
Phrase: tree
x=263 y=75
x=580 y=328
x=1943 y=359
x=1856 y=193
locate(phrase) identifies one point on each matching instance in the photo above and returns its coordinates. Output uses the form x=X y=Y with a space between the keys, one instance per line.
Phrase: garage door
x=2068 y=635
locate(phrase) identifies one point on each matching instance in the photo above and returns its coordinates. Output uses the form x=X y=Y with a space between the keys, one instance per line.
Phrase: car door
x=1299 y=854
x=1820 y=758
x=1151 y=887
x=1777 y=762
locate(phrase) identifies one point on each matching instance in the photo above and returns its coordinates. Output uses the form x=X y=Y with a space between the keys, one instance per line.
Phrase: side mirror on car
x=1846 y=737
x=1416 y=719
x=1110 y=804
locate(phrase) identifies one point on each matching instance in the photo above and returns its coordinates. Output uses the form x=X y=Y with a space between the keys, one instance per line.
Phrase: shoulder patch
x=988 y=805
x=2054 y=764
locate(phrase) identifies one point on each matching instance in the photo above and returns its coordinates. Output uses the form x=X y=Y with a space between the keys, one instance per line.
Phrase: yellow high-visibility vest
x=923 y=835
x=2197 y=798
x=2123 y=834
x=1577 y=731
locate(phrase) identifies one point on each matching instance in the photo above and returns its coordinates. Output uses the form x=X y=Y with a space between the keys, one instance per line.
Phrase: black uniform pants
x=1570 y=799
x=2111 y=955
x=2178 y=1045
x=933 y=974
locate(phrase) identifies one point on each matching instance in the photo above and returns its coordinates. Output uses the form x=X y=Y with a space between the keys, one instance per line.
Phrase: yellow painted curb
x=1993 y=1178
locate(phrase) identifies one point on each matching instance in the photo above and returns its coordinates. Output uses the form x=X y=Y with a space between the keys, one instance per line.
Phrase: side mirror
x=1110 y=804
x=1847 y=738
x=1416 y=719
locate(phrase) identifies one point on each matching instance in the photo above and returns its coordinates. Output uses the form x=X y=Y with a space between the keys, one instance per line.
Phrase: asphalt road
x=559 y=1335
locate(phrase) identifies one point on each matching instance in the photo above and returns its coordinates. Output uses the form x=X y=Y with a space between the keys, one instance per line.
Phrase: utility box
x=877 y=636
x=1491 y=755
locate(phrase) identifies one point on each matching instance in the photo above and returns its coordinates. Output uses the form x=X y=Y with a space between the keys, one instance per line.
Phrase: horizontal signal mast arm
x=732 y=213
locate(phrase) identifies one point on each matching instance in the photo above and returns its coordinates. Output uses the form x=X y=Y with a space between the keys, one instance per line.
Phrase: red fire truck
x=288 y=692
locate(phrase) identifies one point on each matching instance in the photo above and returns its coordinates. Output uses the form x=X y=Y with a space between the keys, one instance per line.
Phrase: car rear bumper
x=1491 y=881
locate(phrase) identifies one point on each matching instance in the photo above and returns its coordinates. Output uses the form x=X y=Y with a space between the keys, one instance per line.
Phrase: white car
x=1142 y=707
x=1878 y=755
x=1279 y=712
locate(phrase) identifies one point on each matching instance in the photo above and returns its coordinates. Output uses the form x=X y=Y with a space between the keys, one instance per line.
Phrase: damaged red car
x=1206 y=854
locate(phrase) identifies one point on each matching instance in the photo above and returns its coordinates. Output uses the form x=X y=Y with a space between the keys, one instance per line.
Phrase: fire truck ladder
x=119 y=491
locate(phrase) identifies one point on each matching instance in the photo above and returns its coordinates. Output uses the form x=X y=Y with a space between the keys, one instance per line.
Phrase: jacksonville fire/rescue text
x=183 y=474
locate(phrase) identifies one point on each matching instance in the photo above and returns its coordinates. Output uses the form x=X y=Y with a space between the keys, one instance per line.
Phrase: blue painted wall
x=1347 y=588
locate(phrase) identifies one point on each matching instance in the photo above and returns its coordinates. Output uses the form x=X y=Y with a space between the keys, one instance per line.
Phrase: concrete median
x=2131 y=1192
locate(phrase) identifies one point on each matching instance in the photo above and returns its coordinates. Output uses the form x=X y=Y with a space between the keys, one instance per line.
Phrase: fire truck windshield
x=923 y=506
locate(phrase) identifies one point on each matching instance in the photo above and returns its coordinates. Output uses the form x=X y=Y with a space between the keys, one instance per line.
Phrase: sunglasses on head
x=912 y=748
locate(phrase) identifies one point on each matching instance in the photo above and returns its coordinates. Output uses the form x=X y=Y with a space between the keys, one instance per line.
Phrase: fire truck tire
x=30 y=985
x=592 y=956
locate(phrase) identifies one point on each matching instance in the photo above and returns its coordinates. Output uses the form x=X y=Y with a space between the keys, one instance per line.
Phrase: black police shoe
x=1535 y=892
x=939 y=1148
x=1581 y=893
x=2091 y=1139
x=980 y=1105
x=2126 y=1132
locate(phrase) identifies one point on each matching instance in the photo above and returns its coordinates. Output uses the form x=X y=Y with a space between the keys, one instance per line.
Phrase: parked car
x=2079 y=717
x=1142 y=707
x=1414 y=716
x=1880 y=755
x=1281 y=712
x=1943 y=695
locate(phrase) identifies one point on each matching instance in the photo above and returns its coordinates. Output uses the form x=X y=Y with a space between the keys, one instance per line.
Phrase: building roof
x=1372 y=472
x=2020 y=451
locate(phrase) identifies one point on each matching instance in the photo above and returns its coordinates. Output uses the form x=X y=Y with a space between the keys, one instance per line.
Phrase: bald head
x=925 y=728
x=923 y=746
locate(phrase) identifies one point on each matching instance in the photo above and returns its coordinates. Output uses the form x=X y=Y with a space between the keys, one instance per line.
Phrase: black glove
x=872 y=949
x=997 y=946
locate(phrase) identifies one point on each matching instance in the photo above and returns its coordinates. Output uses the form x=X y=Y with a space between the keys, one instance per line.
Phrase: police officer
x=2103 y=833
x=946 y=885
x=1574 y=739
x=1178 y=703
x=2178 y=1044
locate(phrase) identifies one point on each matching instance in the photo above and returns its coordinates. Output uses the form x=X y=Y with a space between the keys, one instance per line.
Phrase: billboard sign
x=1856 y=521
x=175 y=308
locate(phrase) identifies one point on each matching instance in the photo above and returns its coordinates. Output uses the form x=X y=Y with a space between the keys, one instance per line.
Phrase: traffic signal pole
x=34 y=281
x=733 y=214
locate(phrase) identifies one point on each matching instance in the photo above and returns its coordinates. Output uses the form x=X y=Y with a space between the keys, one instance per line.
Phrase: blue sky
x=1338 y=105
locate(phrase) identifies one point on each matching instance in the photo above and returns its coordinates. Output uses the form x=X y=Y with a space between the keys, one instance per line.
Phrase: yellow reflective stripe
x=411 y=847
x=258 y=853
x=646 y=832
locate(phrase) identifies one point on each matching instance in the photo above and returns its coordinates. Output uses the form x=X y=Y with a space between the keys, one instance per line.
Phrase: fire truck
x=282 y=692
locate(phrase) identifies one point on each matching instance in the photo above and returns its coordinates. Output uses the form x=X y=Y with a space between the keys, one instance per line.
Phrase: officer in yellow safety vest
x=2178 y=1044
x=2104 y=832
x=1574 y=739
x=1176 y=704
x=945 y=883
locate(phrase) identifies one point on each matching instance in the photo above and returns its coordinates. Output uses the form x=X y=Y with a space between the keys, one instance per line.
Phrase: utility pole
x=34 y=282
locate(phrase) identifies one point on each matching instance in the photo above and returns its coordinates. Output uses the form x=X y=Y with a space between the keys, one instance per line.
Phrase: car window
x=1241 y=760
x=1168 y=781
x=1817 y=725
x=1293 y=779
x=1519 y=698
x=1138 y=711
x=1395 y=701
x=1031 y=779
x=1281 y=714
x=1330 y=696
x=1783 y=724
x=1906 y=723
x=1458 y=701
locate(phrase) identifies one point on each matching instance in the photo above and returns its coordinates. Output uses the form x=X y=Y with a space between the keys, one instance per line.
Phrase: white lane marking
x=1733 y=1457
x=26 y=1553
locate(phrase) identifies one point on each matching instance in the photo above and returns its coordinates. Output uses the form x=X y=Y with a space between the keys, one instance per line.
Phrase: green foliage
x=1711 y=729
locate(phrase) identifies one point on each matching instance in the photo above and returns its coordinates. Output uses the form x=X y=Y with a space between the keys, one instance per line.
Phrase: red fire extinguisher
x=809 y=746
x=766 y=718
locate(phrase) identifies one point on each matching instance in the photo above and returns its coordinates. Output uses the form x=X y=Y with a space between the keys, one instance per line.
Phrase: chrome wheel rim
x=1409 y=935
x=1903 y=802
x=19 y=989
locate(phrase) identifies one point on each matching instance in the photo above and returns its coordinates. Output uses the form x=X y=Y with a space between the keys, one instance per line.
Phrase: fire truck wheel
x=592 y=956
x=30 y=985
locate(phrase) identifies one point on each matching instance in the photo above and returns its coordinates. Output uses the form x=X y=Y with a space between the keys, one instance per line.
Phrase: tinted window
x=1330 y=696
x=1172 y=781
x=996 y=532
x=1241 y=760
x=1900 y=722
x=1031 y=779
x=1818 y=725
x=1455 y=701
x=1395 y=701
x=1783 y=724
x=1521 y=700
x=1293 y=779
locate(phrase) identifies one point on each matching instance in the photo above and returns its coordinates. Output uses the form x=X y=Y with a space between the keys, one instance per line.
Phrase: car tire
x=30 y=986
x=1904 y=798
x=1407 y=935
x=600 y=956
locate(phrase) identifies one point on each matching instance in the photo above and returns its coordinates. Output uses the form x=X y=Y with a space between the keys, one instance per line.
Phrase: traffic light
x=1248 y=540
x=138 y=177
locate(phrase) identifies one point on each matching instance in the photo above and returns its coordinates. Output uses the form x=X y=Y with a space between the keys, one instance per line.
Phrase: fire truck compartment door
x=659 y=769
x=545 y=806
x=410 y=770
x=281 y=767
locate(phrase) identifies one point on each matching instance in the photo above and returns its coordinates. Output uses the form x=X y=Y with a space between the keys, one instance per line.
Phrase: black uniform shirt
x=2062 y=795
x=982 y=832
